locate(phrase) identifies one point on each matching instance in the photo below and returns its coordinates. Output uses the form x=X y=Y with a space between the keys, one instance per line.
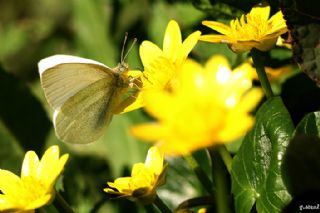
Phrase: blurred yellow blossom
x=145 y=178
x=160 y=65
x=277 y=74
x=35 y=187
x=207 y=106
x=274 y=74
x=202 y=210
x=283 y=43
x=254 y=30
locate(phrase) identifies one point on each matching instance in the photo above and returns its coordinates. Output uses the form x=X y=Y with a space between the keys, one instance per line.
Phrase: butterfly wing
x=82 y=92
x=84 y=117
x=62 y=76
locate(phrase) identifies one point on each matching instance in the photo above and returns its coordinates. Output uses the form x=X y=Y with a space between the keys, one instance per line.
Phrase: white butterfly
x=84 y=94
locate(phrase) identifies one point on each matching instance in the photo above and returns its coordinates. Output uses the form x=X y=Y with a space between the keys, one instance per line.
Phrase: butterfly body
x=84 y=95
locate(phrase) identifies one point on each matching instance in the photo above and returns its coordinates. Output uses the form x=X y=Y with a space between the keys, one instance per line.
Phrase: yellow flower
x=283 y=43
x=145 y=178
x=253 y=30
x=160 y=65
x=203 y=109
x=274 y=74
x=277 y=74
x=35 y=187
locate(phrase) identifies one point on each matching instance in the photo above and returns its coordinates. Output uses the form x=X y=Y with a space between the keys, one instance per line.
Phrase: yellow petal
x=187 y=45
x=148 y=132
x=217 y=39
x=217 y=26
x=154 y=99
x=148 y=52
x=9 y=182
x=30 y=165
x=6 y=203
x=57 y=169
x=241 y=47
x=217 y=62
x=262 y=12
x=250 y=100
x=111 y=191
x=267 y=44
x=51 y=165
x=154 y=160
x=278 y=21
x=233 y=131
x=137 y=169
x=49 y=158
x=121 y=184
x=40 y=202
x=172 y=40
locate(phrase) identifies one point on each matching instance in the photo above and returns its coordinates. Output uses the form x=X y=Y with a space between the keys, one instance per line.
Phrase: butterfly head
x=122 y=67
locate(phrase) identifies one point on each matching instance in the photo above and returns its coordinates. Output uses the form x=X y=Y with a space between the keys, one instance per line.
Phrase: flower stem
x=259 y=65
x=62 y=205
x=226 y=157
x=219 y=173
x=161 y=205
x=201 y=175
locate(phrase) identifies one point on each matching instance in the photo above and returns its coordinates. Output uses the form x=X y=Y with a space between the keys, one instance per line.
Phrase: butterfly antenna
x=133 y=42
x=123 y=45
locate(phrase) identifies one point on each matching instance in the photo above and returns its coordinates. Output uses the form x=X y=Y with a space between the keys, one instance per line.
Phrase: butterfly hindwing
x=84 y=117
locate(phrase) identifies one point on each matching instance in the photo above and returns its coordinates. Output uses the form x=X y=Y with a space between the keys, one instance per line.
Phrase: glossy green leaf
x=310 y=125
x=256 y=174
x=181 y=182
x=301 y=166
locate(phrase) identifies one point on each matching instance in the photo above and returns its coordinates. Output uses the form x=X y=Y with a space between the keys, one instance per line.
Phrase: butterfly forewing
x=65 y=80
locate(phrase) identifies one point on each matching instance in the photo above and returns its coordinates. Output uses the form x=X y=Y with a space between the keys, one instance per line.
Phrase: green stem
x=259 y=65
x=226 y=157
x=161 y=205
x=201 y=175
x=61 y=205
x=222 y=192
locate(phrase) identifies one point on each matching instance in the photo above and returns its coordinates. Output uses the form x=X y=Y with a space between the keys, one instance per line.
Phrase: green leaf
x=310 y=125
x=256 y=174
x=92 y=23
x=301 y=165
x=188 y=186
